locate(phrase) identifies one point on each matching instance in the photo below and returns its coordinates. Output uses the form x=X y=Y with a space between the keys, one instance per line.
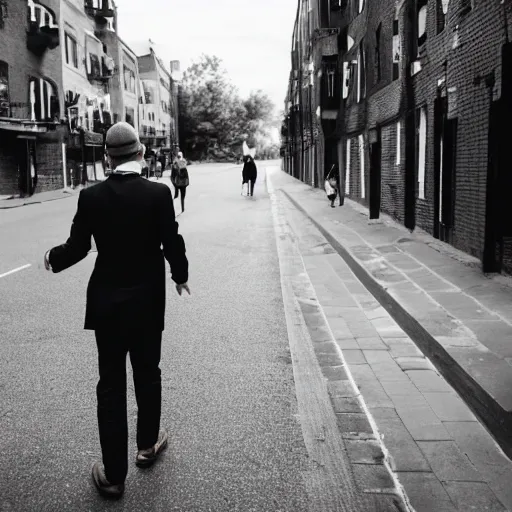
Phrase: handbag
x=245 y=189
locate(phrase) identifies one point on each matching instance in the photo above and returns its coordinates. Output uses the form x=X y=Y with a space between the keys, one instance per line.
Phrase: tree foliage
x=216 y=120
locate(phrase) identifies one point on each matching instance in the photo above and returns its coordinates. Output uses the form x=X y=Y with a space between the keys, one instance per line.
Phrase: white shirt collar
x=132 y=166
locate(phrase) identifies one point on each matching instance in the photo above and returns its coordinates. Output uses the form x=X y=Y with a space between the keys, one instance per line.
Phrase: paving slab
x=448 y=463
x=449 y=407
x=404 y=451
x=419 y=418
x=429 y=381
x=473 y=496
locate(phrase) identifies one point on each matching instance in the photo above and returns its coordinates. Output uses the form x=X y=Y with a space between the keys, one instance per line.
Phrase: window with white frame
x=398 y=142
x=71 y=48
x=346 y=79
x=421 y=27
x=361 y=166
x=422 y=150
x=347 y=168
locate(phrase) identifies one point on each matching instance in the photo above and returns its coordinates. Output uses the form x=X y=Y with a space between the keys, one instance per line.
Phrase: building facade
x=31 y=100
x=155 y=106
x=421 y=93
x=87 y=72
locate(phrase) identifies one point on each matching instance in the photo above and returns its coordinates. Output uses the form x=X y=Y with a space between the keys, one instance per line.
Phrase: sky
x=253 y=39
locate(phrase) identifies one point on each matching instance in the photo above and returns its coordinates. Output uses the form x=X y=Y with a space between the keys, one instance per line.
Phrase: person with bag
x=133 y=223
x=331 y=185
x=249 y=175
x=179 y=178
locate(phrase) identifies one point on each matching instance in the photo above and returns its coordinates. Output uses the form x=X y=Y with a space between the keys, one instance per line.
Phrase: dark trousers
x=252 y=182
x=144 y=349
x=183 y=191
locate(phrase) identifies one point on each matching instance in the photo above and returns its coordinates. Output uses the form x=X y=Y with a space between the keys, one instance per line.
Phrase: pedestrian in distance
x=133 y=224
x=331 y=185
x=249 y=173
x=179 y=178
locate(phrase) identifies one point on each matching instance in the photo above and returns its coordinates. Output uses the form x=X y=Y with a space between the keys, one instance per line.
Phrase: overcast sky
x=252 y=38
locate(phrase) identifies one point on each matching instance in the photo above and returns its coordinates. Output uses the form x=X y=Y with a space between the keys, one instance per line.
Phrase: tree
x=215 y=120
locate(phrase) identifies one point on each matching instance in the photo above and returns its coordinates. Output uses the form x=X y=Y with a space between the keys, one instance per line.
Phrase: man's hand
x=181 y=287
x=47 y=261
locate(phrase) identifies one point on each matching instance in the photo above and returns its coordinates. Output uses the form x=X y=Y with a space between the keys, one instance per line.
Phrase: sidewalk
x=434 y=445
x=7 y=202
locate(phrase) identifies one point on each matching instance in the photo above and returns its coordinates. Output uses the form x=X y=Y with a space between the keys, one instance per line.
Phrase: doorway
x=375 y=175
x=445 y=138
x=498 y=221
x=27 y=165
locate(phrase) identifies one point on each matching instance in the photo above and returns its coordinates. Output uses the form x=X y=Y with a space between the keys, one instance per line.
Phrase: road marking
x=15 y=270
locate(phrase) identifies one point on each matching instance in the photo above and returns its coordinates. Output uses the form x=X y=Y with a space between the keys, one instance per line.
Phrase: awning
x=20 y=125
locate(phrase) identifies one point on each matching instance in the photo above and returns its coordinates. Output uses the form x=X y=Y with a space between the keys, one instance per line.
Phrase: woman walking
x=179 y=178
x=331 y=185
x=249 y=173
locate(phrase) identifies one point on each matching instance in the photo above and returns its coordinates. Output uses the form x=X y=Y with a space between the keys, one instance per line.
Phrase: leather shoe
x=146 y=458
x=105 y=488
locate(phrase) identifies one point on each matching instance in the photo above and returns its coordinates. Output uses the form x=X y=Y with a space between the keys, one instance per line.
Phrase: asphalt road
x=228 y=391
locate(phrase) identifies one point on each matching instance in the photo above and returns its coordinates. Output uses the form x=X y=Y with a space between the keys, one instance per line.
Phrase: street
x=228 y=387
x=286 y=387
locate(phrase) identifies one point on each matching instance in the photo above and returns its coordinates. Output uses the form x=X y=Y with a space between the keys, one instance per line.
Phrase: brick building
x=422 y=87
x=30 y=97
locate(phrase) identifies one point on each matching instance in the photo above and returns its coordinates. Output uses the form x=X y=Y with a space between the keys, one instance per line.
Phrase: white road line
x=15 y=270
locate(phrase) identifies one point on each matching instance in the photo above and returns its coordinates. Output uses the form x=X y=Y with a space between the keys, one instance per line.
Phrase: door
x=498 y=221
x=375 y=176
x=447 y=180
x=445 y=139
x=27 y=165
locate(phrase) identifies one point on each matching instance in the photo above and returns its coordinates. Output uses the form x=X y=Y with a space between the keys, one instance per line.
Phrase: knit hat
x=122 y=140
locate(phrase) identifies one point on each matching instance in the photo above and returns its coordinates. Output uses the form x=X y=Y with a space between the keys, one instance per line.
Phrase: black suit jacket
x=131 y=220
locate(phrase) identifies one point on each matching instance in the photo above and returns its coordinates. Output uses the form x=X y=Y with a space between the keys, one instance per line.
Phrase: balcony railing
x=99 y=9
x=43 y=32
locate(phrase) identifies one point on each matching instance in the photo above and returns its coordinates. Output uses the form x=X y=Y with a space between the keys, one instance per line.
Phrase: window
x=421 y=26
x=346 y=79
x=360 y=6
x=347 y=168
x=43 y=99
x=421 y=139
x=130 y=116
x=71 y=51
x=4 y=90
x=331 y=73
x=361 y=74
x=466 y=7
x=441 y=12
x=129 y=79
x=361 y=161
x=378 y=64
x=398 y=142
x=396 y=50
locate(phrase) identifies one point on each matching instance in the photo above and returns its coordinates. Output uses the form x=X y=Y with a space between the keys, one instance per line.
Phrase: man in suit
x=133 y=224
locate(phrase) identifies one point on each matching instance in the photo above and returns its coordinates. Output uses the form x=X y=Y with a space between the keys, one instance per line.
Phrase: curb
x=65 y=196
x=496 y=419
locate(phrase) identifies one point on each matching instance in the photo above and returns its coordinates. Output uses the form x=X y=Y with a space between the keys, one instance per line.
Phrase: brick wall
x=22 y=65
x=473 y=58
x=49 y=161
x=392 y=175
